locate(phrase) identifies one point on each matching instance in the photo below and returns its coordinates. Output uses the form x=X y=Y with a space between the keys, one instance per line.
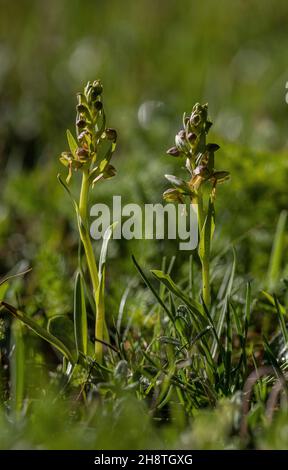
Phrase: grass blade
x=271 y=299
x=80 y=316
x=14 y=275
x=172 y=287
x=61 y=327
x=277 y=252
x=100 y=318
x=69 y=194
x=248 y=303
x=154 y=292
x=104 y=248
x=281 y=321
x=225 y=304
x=101 y=331
x=17 y=366
x=44 y=334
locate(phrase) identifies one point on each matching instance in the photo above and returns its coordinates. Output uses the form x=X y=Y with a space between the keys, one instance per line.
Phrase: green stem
x=17 y=367
x=206 y=281
x=205 y=261
x=100 y=326
x=201 y=213
x=84 y=233
x=91 y=262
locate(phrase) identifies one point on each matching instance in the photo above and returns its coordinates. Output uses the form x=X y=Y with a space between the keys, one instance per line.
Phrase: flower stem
x=84 y=233
x=206 y=281
x=205 y=260
x=201 y=214
x=91 y=262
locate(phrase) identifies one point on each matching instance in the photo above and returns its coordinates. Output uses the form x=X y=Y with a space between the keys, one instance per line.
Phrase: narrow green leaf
x=200 y=335
x=104 y=248
x=166 y=399
x=172 y=305
x=17 y=365
x=100 y=326
x=281 y=321
x=100 y=317
x=191 y=276
x=154 y=292
x=248 y=303
x=228 y=348
x=3 y=289
x=62 y=328
x=105 y=153
x=223 y=313
x=71 y=142
x=81 y=226
x=216 y=335
x=271 y=299
x=274 y=362
x=14 y=275
x=44 y=334
x=80 y=316
x=178 y=183
x=195 y=306
x=277 y=252
x=196 y=338
x=237 y=320
x=207 y=232
x=68 y=192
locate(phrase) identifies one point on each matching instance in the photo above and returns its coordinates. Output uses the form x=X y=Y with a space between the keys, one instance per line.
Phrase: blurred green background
x=156 y=59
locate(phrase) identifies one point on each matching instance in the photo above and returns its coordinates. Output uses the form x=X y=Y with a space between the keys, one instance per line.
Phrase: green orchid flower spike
x=90 y=153
x=190 y=143
x=95 y=144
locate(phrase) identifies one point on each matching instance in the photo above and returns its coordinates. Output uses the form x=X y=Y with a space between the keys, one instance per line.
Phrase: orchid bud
x=81 y=152
x=186 y=120
x=212 y=147
x=84 y=136
x=174 y=152
x=195 y=119
x=81 y=108
x=180 y=140
x=97 y=89
x=109 y=172
x=81 y=123
x=192 y=137
x=93 y=144
x=111 y=134
x=173 y=195
x=98 y=105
